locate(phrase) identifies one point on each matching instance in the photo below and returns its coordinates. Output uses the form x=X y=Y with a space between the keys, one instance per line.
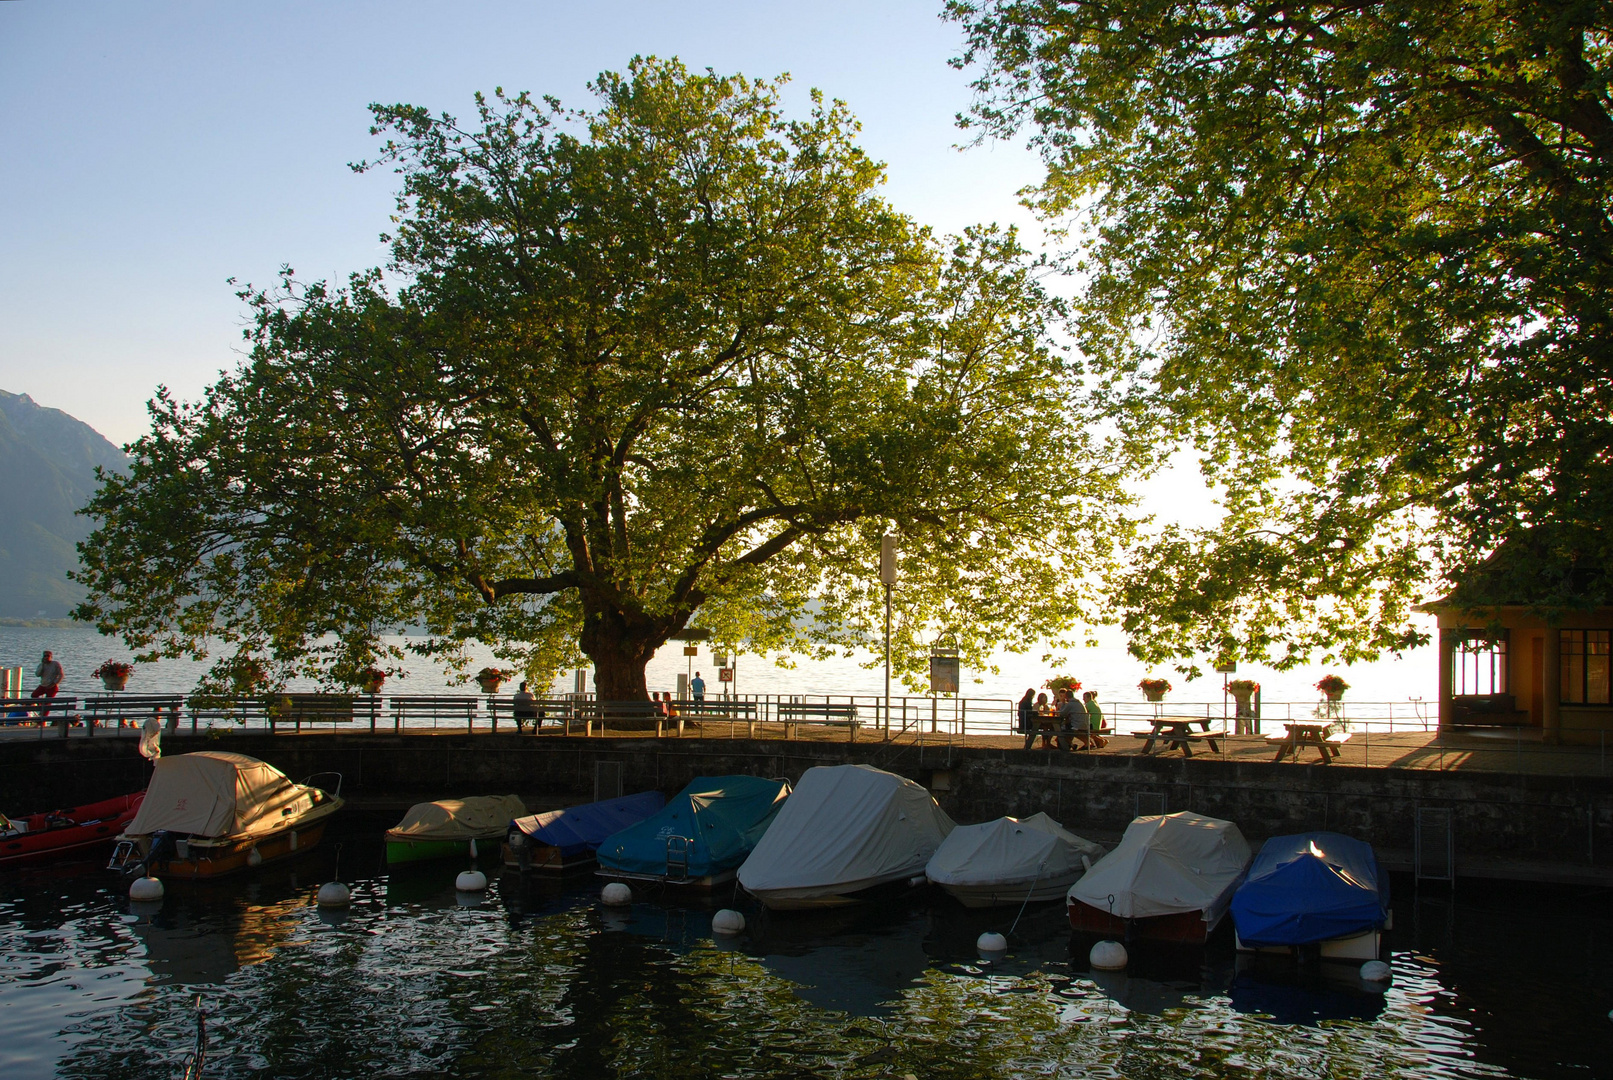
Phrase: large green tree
x=1356 y=256
x=673 y=355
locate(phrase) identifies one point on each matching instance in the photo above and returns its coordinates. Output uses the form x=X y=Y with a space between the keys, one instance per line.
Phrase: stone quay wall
x=1529 y=826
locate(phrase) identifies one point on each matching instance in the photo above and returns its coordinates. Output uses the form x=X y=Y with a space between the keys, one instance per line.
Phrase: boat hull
x=699 y=884
x=838 y=896
x=413 y=851
x=205 y=858
x=1003 y=894
x=94 y=825
x=547 y=859
x=1180 y=927
x=1355 y=948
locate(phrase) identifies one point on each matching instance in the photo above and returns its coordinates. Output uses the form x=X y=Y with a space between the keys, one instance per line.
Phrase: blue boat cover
x=1310 y=887
x=579 y=830
x=722 y=817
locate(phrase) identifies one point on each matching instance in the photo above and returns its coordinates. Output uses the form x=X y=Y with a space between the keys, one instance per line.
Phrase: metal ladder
x=1434 y=857
x=677 y=858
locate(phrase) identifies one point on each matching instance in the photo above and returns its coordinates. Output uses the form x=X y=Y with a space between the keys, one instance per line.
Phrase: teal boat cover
x=720 y=817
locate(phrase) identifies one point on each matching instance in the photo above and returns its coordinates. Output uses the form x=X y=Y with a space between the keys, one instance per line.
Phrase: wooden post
x=1551 y=705
x=1447 y=649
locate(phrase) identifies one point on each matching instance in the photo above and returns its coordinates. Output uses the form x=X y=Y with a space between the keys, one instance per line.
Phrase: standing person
x=1094 y=719
x=697 y=687
x=525 y=707
x=50 y=677
x=1027 y=717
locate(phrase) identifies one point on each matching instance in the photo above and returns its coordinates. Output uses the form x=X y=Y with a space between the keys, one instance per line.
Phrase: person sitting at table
x=1027 y=717
x=1044 y=709
x=1094 y=713
x=1073 y=721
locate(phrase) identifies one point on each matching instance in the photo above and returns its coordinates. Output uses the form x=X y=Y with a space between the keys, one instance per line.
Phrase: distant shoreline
x=47 y=624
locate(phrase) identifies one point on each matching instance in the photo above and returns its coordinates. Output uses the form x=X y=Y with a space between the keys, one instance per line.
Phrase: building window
x=1479 y=663
x=1585 y=666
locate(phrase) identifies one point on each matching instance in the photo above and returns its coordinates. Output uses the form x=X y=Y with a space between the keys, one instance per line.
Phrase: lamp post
x=887 y=574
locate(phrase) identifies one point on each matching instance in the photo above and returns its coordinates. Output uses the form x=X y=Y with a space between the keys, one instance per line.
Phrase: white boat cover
x=213 y=793
x=479 y=817
x=845 y=828
x=1010 y=851
x=1167 y=864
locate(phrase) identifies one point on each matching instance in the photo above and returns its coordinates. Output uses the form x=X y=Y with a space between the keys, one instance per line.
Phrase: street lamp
x=887 y=574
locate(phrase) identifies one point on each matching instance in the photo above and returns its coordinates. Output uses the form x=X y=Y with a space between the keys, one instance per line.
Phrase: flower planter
x=1154 y=696
x=490 y=686
x=372 y=686
x=1334 y=695
x=114 y=682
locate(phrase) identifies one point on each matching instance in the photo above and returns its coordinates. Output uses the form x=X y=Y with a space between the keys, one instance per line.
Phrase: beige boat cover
x=480 y=817
x=214 y=793
x=1168 y=864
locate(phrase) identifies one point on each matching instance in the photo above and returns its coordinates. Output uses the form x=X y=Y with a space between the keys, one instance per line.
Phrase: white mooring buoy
x=333 y=894
x=1375 y=971
x=1108 y=956
x=616 y=895
x=146 y=888
x=991 y=943
x=471 y=881
x=728 y=921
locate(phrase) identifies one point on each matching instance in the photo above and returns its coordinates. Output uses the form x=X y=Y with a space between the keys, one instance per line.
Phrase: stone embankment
x=1525 y=826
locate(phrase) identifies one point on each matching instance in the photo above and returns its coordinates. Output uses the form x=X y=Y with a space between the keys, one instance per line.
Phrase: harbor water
x=539 y=980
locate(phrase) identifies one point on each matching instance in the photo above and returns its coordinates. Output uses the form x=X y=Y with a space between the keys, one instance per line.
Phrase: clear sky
x=153 y=150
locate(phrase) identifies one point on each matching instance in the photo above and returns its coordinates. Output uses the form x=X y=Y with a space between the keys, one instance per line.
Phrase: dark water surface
x=542 y=982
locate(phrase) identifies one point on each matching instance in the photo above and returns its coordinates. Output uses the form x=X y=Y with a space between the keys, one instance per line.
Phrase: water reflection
x=538 y=979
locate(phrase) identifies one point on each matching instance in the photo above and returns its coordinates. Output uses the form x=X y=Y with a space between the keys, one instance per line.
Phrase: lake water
x=541 y=981
x=1106 y=668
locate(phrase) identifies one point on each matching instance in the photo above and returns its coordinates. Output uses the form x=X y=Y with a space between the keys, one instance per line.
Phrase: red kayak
x=43 y=836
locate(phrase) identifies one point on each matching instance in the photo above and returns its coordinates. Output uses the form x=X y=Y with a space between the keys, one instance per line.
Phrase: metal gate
x=1434 y=847
x=607 y=780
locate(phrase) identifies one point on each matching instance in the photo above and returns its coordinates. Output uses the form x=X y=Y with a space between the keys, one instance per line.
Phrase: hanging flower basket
x=491 y=678
x=1332 y=686
x=114 y=674
x=1155 y=689
x=370 y=680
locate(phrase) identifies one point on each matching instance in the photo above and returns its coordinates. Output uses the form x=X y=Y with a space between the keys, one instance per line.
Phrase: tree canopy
x=1355 y=255
x=670 y=356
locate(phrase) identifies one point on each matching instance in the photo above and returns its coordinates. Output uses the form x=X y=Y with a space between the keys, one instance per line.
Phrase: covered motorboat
x=849 y=833
x=213 y=813
x=699 y=838
x=450 y=827
x=53 y=833
x=1170 y=879
x=559 y=840
x=1010 y=860
x=1319 y=889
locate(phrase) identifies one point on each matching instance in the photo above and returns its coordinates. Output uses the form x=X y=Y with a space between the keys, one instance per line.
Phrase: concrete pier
x=1543 y=825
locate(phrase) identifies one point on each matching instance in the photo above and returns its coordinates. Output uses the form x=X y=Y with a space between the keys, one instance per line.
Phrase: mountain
x=47 y=473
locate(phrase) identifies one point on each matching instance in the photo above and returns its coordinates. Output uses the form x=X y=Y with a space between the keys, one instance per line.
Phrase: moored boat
x=214 y=813
x=849 y=833
x=1010 y=861
x=451 y=827
x=1318 y=890
x=559 y=840
x=47 y=835
x=699 y=838
x=1171 y=878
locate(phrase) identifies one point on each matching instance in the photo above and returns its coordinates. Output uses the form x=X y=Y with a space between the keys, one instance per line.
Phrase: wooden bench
x=793 y=714
x=297 y=709
x=242 y=711
x=32 y=710
x=606 y=713
x=112 y=710
x=1300 y=734
x=434 y=707
x=556 y=712
x=716 y=709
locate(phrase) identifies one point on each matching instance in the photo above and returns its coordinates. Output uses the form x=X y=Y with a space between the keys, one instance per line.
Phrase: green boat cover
x=722 y=818
x=480 y=817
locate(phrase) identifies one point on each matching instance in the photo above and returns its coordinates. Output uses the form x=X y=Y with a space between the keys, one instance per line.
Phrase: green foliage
x=1357 y=257
x=668 y=357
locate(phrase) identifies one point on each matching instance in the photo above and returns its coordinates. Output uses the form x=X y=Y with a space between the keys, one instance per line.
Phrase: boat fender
x=916 y=882
x=991 y=943
x=471 y=881
x=254 y=857
x=728 y=921
x=1108 y=956
x=616 y=895
x=292 y=841
x=333 y=894
x=473 y=847
x=146 y=888
x=517 y=839
x=1375 y=971
x=1086 y=864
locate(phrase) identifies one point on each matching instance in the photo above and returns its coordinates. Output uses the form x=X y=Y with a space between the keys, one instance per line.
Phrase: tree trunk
x=619 y=644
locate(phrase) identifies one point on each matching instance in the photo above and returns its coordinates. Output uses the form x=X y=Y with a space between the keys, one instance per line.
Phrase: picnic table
x=1177 y=733
x=1317 y=733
